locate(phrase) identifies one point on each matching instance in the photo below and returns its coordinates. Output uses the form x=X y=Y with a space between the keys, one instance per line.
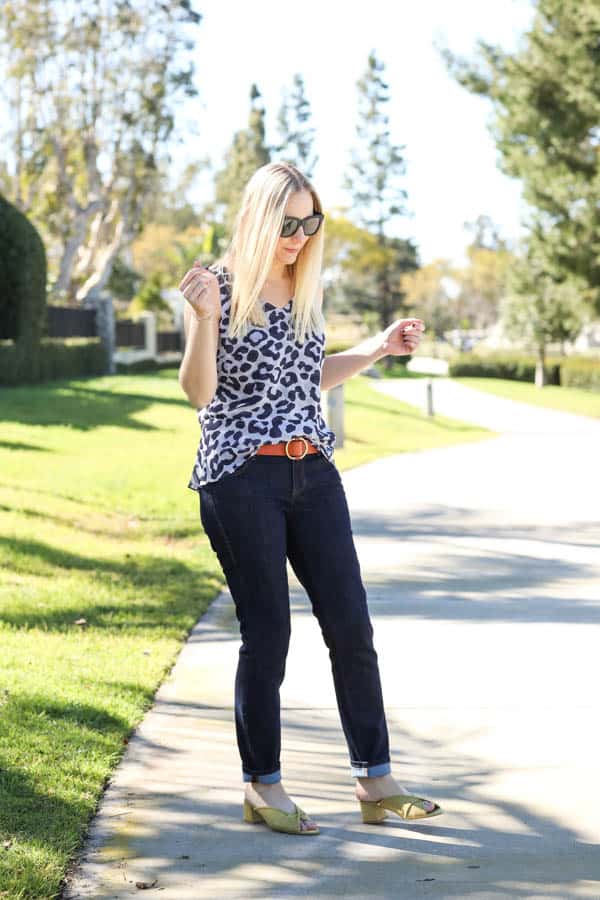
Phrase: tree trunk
x=540 y=367
x=385 y=316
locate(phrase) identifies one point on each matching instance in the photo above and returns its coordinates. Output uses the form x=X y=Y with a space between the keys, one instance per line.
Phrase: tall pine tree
x=247 y=153
x=373 y=181
x=296 y=135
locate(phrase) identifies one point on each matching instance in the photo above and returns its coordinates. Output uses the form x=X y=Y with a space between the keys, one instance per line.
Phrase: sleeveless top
x=268 y=390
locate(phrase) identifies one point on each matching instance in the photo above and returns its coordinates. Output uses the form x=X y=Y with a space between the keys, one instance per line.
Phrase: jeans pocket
x=213 y=528
x=331 y=464
x=323 y=474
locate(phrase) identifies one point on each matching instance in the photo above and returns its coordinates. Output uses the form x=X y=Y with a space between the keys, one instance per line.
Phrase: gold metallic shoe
x=277 y=820
x=407 y=806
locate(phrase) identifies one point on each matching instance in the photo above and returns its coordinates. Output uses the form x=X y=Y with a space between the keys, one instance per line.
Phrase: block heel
x=372 y=814
x=250 y=814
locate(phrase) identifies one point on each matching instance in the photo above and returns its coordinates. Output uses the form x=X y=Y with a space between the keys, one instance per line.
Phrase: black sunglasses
x=310 y=225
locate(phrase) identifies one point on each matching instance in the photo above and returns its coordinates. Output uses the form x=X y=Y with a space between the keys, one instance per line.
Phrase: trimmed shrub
x=8 y=362
x=581 y=373
x=22 y=288
x=140 y=366
x=510 y=366
x=58 y=358
x=336 y=346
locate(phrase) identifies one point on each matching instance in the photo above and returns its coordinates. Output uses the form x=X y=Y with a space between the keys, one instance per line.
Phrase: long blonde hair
x=249 y=255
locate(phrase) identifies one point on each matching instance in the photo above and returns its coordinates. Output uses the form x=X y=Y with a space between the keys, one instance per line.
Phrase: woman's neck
x=279 y=275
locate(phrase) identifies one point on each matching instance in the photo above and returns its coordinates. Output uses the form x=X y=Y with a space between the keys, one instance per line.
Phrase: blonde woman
x=269 y=490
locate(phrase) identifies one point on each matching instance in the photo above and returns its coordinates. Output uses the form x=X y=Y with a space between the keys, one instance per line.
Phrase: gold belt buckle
x=296 y=439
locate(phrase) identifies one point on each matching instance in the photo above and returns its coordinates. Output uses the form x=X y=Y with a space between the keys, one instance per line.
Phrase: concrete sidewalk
x=482 y=568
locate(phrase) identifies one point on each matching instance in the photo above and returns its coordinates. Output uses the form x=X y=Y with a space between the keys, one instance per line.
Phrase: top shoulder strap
x=222 y=272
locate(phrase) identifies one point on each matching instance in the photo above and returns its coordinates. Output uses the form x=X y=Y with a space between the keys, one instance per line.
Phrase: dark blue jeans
x=271 y=509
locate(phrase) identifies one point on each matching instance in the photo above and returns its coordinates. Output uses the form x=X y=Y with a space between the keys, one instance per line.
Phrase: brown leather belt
x=298 y=448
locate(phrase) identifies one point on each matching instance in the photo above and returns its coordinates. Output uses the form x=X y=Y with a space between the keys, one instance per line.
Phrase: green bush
x=394 y=367
x=501 y=365
x=22 y=289
x=144 y=365
x=581 y=373
x=59 y=358
x=337 y=346
x=8 y=362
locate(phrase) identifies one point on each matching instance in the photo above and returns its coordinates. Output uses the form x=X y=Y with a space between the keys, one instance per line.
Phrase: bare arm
x=401 y=337
x=198 y=369
x=340 y=366
x=201 y=314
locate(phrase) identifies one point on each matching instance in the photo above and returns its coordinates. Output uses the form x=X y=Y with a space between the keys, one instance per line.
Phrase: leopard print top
x=268 y=390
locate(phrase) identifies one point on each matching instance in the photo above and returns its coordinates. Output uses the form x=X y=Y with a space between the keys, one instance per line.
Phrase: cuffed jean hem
x=358 y=770
x=271 y=778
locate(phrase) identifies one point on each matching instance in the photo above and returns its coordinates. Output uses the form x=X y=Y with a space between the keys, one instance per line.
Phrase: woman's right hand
x=200 y=288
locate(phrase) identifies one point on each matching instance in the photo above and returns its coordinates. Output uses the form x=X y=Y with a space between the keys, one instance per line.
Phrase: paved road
x=482 y=567
x=458 y=401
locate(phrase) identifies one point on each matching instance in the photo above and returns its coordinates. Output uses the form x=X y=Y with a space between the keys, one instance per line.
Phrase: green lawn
x=104 y=569
x=376 y=425
x=574 y=400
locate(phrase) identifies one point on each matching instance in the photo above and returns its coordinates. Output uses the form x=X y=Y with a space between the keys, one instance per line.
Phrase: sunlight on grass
x=574 y=400
x=97 y=527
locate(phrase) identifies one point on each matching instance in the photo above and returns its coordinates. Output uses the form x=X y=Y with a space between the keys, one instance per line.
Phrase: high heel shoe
x=277 y=820
x=407 y=806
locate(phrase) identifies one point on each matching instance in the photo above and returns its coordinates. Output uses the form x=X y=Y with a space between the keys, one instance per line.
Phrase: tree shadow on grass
x=21 y=445
x=114 y=524
x=49 y=797
x=152 y=592
x=84 y=408
x=94 y=503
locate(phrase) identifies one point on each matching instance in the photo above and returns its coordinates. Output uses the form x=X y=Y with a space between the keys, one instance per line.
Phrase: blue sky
x=452 y=173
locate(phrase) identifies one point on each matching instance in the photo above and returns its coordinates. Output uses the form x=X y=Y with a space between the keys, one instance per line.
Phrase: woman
x=254 y=367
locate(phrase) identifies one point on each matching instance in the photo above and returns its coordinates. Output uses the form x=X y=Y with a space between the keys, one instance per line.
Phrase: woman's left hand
x=402 y=337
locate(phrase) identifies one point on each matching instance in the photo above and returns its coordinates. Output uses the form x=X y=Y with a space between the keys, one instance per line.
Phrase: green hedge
x=144 y=365
x=577 y=372
x=511 y=366
x=59 y=358
x=337 y=346
x=22 y=287
x=581 y=373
